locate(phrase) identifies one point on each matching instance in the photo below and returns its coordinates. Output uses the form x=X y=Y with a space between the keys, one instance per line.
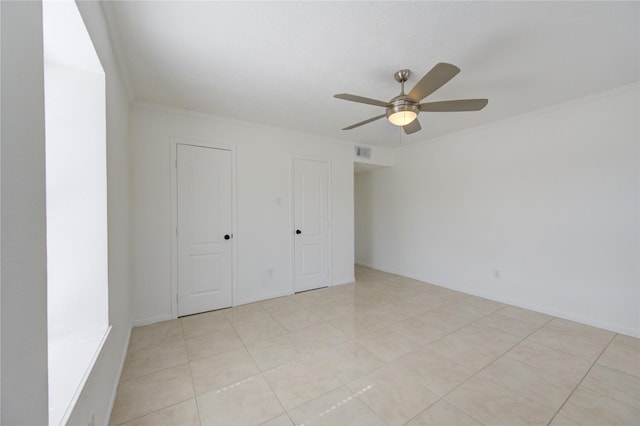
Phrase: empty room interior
x=320 y=213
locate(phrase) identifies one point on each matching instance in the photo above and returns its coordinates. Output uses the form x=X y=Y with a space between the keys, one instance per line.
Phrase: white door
x=204 y=229
x=311 y=221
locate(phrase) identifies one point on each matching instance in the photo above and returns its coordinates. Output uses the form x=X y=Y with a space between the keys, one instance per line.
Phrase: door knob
x=226 y=237
x=298 y=232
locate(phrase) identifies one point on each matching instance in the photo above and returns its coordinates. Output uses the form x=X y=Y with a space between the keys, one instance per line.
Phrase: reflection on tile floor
x=383 y=350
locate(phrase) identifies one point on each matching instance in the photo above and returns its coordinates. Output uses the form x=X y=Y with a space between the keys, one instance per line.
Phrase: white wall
x=365 y=218
x=24 y=312
x=23 y=270
x=263 y=234
x=550 y=200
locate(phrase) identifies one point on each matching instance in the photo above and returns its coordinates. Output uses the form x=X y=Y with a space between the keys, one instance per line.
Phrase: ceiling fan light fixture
x=401 y=113
x=402 y=118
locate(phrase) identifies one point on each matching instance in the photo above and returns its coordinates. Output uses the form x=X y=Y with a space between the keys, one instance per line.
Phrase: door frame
x=327 y=161
x=174 y=216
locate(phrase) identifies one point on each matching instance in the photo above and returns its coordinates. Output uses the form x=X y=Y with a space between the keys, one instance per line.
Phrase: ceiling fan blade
x=412 y=127
x=452 y=106
x=361 y=99
x=439 y=75
x=353 y=126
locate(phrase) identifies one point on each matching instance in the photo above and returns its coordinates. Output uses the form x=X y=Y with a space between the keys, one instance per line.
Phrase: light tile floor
x=386 y=350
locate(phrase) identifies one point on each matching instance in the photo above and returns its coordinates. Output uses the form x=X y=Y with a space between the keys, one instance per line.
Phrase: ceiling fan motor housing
x=402 y=104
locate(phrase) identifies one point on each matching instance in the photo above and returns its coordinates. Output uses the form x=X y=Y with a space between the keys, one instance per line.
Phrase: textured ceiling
x=280 y=63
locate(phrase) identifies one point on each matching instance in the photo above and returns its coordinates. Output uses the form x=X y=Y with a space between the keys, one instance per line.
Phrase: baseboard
x=274 y=296
x=112 y=401
x=571 y=316
x=151 y=320
x=284 y=294
x=387 y=270
x=343 y=282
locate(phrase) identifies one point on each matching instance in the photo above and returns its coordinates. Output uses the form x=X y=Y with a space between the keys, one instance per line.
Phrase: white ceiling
x=280 y=63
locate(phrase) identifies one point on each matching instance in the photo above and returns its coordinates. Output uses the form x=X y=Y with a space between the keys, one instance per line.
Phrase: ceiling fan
x=403 y=110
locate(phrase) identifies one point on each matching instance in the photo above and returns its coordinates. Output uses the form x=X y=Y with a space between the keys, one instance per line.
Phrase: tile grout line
x=595 y=361
x=154 y=412
x=522 y=340
x=374 y=303
x=423 y=347
x=584 y=339
x=260 y=372
x=354 y=395
x=442 y=398
x=439 y=338
x=159 y=370
x=195 y=395
x=313 y=353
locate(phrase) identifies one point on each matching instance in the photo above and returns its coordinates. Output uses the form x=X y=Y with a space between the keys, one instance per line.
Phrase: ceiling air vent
x=363 y=152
